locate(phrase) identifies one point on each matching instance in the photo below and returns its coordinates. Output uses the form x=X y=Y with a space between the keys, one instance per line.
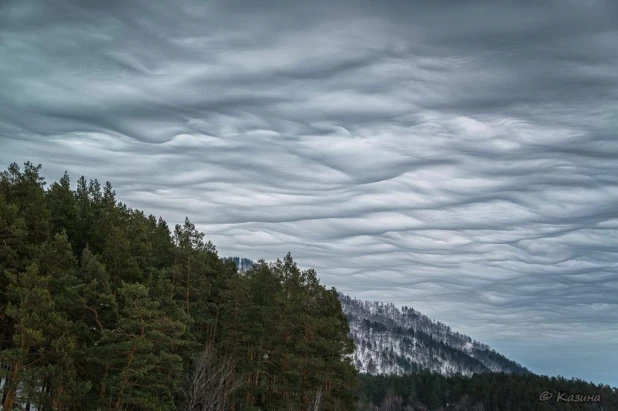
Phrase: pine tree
x=63 y=207
x=118 y=259
x=162 y=245
x=14 y=257
x=162 y=291
x=30 y=303
x=84 y=220
x=192 y=275
x=99 y=315
x=26 y=190
x=56 y=260
x=144 y=372
x=41 y=333
x=336 y=348
x=265 y=292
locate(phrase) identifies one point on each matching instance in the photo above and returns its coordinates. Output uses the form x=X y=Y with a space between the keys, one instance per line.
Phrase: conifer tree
x=84 y=220
x=26 y=190
x=14 y=256
x=63 y=207
x=29 y=306
x=192 y=274
x=162 y=245
x=144 y=372
x=56 y=260
x=98 y=317
x=119 y=262
x=40 y=348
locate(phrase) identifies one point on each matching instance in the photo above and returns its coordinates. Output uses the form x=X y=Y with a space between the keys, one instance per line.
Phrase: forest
x=426 y=391
x=393 y=341
x=104 y=307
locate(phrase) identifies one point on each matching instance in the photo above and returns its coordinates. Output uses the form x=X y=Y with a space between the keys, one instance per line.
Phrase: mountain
x=393 y=341
x=242 y=264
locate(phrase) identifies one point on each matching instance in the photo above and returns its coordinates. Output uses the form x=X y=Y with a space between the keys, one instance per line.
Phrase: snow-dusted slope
x=393 y=341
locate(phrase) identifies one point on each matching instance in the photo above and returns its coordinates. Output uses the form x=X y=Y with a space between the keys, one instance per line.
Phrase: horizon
x=458 y=159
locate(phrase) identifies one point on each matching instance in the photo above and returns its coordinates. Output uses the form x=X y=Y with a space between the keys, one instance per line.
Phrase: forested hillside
x=393 y=341
x=104 y=307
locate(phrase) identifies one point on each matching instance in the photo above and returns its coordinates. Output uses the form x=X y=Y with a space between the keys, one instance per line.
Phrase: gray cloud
x=457 y=158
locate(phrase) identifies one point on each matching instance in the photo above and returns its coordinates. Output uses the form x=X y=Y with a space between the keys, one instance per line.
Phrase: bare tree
x=363 y=406
x=391 y=402
x=419 y=407
x=211 y=383
x=463 y=404
x=316 y=403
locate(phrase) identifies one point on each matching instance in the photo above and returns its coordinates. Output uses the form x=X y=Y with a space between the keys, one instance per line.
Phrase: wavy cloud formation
x=459 y=159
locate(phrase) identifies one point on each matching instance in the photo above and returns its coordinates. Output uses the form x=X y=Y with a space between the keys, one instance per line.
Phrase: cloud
x=460 y=159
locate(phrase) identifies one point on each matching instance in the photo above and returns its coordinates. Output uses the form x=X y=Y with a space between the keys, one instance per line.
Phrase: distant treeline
x=103 y=307
x=482 y=392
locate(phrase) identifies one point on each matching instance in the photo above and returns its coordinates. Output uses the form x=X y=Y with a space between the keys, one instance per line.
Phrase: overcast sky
x=457 y=157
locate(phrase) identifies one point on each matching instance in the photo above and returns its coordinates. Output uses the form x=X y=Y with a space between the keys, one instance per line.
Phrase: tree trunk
x=102 y=391
x=123 y=385
x=188 y=292
x=11 y=394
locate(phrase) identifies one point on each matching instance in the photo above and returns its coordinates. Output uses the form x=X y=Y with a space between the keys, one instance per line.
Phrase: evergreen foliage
x=482 y=392
x=103 y=307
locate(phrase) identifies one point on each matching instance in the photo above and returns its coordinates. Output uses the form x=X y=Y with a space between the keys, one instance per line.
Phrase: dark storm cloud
x=459 y=158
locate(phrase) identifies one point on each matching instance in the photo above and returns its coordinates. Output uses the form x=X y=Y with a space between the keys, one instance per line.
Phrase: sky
x=457 y=157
